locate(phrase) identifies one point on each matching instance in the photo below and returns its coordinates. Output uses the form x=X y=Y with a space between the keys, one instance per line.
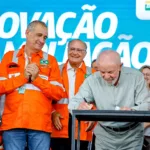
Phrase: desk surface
x=112 y=115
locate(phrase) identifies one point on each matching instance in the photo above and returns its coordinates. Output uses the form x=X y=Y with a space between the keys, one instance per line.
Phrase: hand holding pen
x=85 y=105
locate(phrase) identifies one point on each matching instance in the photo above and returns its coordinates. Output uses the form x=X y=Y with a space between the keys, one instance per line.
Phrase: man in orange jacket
x=35 y=81
x=73 y=72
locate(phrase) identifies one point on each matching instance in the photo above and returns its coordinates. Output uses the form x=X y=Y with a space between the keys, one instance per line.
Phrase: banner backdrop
x=121 y=25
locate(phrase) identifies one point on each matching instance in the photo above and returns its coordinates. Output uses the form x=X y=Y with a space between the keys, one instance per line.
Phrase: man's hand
x=90 y=125
x=33 y=70
x=26 y=74
x=125 y=108
x=85 y=106
x=146 y=125
x=56 y=116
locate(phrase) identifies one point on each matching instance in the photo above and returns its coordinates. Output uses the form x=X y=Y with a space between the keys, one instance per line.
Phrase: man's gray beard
x=113 y=82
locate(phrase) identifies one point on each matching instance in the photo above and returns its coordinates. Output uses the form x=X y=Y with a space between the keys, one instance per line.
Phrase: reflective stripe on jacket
x=62 y=107
x=29 y=105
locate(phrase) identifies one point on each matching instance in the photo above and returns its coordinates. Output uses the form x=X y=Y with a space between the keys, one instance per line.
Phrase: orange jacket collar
x=79 y=77
x=83 y=66
x=21 y=52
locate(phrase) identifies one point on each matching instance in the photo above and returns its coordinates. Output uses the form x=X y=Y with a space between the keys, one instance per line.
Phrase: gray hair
x=79 y=41
x=34 y=23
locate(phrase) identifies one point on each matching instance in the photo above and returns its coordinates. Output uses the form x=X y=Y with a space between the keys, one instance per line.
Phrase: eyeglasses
x=146 y=74
x=79 y=50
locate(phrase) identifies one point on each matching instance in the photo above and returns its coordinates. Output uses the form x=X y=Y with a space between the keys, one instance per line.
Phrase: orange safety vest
x=62 y=108
x=29 y=106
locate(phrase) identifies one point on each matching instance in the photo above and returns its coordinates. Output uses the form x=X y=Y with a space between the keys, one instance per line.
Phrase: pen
x=89 y=105
x=85 y=100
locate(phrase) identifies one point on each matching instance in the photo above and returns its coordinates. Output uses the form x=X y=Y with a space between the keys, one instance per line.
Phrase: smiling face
x=36 y=37
x=110 y=72
x=146 y=73
x=76 y=52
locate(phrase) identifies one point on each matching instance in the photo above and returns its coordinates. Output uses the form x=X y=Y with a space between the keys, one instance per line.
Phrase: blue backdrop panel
x=121 y=25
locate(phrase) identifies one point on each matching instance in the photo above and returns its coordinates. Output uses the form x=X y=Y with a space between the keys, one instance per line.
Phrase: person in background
x=73 y=73
x=94 y=65
x=114 y=87
x=146 y=72
x=36 y=80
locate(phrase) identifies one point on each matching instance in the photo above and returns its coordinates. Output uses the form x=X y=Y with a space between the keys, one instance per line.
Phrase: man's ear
x=121 y=65
x=27 y=31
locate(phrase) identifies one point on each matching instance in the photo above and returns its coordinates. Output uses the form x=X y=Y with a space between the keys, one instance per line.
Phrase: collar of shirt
x=70 y=68
x=71 y=78
x=21 y=52
x=27 y=59
x=117 y=81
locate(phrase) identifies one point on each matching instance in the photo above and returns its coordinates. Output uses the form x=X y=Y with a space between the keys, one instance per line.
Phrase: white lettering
x=9 y=46
x=99 y=47
x=13 y=26
x=60 y=25
x=87 y=58
x=124 y=48
x=99 y=23
x=51 y=48
x=23 y=23
x=136 y=52
x=87 y=19
x=49 y=18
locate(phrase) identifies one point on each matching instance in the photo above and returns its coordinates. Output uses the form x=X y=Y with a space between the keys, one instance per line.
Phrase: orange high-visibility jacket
x=8 y=85
x=29 y=106
x=81 y=74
